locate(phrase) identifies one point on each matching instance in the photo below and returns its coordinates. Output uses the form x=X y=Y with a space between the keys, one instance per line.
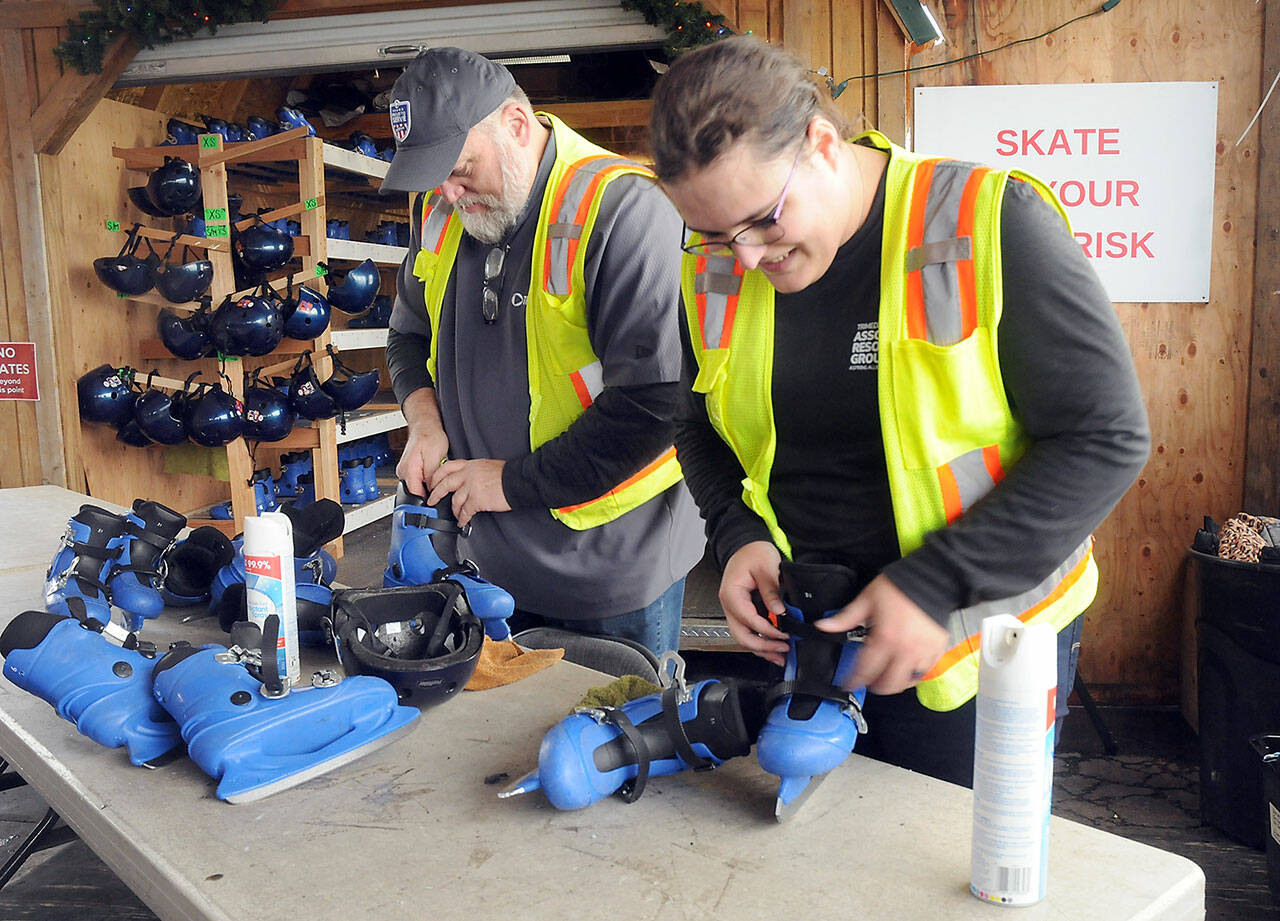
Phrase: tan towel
x=617 y=693
x=503 y=662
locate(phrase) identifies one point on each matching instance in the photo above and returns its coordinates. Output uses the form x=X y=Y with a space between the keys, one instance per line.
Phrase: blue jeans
x=656 y=625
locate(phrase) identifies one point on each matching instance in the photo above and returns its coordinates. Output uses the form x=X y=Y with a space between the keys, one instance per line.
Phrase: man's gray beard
x=492 y=225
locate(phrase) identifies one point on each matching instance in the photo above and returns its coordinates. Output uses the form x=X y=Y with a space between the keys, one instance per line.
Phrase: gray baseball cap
x=442 y=95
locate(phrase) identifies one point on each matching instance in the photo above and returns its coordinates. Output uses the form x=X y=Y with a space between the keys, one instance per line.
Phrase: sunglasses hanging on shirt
x=493 y=265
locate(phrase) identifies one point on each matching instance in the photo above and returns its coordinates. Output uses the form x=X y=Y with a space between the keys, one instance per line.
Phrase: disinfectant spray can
x=269 y=584
x=1013 y=761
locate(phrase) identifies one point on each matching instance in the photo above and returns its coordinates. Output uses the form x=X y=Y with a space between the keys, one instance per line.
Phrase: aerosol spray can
x=1013 y=761
x=270 y=587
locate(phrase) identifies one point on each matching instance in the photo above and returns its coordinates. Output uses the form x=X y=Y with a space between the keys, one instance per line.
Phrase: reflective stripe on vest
x=569 y=215
x=942 y=299
x=588 y=381
x=436 y=215
x=716 y=287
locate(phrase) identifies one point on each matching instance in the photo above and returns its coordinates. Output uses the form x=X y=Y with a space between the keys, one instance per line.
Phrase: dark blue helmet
x=356 y=289
x=158 y=414
x=249 y=325
x=307 y=397
x=125 y=272
x=129 y=433
x=350 y=389
x=186 y=337
x=183 y=282
x=212 y=417
x=141 y=199
x=268 y=415
x=262 y=247
x=174 y=188
x=307 y=316
x=105 y=395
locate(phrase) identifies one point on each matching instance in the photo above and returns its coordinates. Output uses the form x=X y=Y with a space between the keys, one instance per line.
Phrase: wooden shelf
x=353 y=161
x=358 y=251
x=352 y=339
x=372 y=419
x=360 y=515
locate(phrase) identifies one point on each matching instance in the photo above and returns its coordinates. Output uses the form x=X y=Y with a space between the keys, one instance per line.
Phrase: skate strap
x=789 y=623
x=465 y=568
x=818 y=689
x=675 y=731
x=632 y=789
x=432 y=522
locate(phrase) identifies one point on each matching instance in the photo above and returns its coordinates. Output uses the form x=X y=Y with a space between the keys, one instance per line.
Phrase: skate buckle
x=854 y=712
x=596 y=713
x=315 y=566
x=325 y=678
x=671 y=674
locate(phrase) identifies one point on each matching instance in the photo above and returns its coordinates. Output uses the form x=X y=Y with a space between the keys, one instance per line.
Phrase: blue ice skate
x=599 y=751
x=415 y=560
x=104 y=689
x=813 y=722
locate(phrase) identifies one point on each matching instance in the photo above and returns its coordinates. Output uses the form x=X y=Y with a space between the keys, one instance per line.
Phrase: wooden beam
x=23 y=172
x=1262 y=435
x=74 y=96
x=37 y=14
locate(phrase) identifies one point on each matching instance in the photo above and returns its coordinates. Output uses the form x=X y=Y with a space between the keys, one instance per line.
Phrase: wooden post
x=1262 y=441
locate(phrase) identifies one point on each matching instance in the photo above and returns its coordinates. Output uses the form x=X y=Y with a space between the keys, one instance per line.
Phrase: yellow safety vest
x=565 y=376
x=949 y=435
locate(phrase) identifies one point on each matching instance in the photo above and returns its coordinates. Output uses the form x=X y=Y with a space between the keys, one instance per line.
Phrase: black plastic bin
x=1267 y=745
x=1239 y=689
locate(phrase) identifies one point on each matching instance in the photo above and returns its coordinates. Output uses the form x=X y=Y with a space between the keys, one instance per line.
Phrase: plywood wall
x=1192 y=359
x=84 y=186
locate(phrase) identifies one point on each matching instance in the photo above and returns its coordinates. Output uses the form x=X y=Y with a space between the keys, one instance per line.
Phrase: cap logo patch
x=400 y=119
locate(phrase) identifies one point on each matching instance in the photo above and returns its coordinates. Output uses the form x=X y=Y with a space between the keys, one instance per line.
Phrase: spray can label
x=1013 y=763
x=264 y=596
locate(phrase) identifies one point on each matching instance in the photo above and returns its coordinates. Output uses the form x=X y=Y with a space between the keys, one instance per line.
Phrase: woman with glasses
x=898 y=364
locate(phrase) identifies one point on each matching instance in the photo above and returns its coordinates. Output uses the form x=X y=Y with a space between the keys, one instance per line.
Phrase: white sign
x=1132 y=162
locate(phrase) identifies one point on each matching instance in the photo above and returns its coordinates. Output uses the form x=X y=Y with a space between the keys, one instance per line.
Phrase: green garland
x=149 y=23
x=687 y=22
x=157 y=22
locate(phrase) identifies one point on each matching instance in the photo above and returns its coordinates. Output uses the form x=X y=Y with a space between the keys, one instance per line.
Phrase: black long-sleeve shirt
x=1069 y=377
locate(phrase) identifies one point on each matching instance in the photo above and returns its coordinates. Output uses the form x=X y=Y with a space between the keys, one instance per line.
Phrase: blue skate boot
x=314 y=570
x=813 y=722
x=292 y=466
x=192 y=564
x=254 y=735
x=105 y=690
x=599 y=751
x=415 y=560
x=135 y=577
x=76 y=581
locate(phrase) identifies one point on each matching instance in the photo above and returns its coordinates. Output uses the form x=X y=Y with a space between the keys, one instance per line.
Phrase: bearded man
x=534 y=347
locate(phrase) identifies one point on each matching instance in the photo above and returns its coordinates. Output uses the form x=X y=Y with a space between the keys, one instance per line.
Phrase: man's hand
x=754 y=566
x=476 y=486
x=427 y=446
x=903 y=642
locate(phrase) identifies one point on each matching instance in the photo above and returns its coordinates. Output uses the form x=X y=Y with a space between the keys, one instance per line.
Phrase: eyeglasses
x=493 y=264
x=757 y=233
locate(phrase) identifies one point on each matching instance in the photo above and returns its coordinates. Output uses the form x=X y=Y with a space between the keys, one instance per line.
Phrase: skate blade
x=784 y=812
x=323 y=767
x=526 y=784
